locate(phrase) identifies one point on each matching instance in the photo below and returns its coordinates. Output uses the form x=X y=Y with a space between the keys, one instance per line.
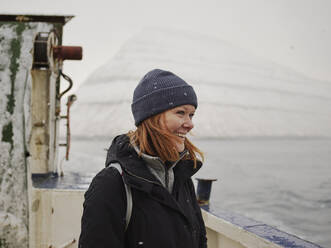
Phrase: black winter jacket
x=159 y=219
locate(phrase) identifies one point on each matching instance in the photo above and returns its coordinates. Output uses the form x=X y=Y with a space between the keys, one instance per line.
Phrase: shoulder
x=107 y=176
x=107 y=182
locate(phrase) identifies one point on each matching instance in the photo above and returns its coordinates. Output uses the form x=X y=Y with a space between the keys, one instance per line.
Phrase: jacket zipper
x=144 y=179
x=167 y=171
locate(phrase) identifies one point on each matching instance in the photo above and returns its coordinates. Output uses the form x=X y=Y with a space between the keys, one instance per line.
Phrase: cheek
x=172 y=124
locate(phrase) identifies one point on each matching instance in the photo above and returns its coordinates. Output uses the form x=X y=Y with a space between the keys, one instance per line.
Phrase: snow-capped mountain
x=239 y=94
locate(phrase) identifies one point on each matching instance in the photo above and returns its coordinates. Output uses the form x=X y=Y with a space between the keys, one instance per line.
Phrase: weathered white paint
x=42 y=144
x=13 y=166
x=55 y=217
x=39 y=141
x=222 y=233
x=54 y=121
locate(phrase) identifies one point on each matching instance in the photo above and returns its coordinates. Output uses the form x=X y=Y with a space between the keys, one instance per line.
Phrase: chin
x=180 y=148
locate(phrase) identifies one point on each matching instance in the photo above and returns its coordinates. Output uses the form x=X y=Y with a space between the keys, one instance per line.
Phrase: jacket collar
x=156 y=163
x=121 y=151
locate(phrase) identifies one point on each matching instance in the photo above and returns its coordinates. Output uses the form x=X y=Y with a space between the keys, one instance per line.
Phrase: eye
x=180 y=112
x=191 y=115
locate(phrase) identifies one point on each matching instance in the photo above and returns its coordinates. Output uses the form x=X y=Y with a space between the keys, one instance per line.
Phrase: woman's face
x=179 y=122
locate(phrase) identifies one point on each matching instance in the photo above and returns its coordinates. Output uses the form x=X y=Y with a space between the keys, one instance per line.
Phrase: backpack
x=128 y=193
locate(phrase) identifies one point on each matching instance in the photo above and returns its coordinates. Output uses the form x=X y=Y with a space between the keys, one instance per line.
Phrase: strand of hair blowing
x=156 y=141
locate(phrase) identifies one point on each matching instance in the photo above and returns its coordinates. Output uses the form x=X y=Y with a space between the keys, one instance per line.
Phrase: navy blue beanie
x=159 y=91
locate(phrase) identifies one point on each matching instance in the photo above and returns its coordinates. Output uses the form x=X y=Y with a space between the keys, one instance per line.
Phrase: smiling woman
x=164 y=135
x=157 y=161
x=179 y=122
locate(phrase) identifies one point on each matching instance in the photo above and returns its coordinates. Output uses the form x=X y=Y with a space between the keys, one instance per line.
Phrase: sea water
x=283 y=182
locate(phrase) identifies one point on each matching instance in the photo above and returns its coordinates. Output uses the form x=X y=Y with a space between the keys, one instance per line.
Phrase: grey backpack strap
x=128 y=195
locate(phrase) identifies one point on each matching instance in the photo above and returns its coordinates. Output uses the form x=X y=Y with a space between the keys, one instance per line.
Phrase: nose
x=188 y=124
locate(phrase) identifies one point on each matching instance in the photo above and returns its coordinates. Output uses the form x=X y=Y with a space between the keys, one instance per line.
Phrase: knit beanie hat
x=159 y=91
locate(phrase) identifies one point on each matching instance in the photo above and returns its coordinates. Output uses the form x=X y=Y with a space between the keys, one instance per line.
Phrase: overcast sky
x=295 y=33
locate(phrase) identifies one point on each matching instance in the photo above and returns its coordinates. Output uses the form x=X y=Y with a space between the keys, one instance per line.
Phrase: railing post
x=203 y=190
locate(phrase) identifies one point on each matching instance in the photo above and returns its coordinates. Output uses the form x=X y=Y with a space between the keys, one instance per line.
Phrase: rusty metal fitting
x=68 y=52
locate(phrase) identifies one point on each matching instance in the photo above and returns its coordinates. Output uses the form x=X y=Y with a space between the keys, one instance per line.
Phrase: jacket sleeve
x=103 y=220
x=203 y=235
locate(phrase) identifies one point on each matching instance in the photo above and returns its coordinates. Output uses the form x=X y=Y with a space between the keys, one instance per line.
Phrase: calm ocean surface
x=282 y=182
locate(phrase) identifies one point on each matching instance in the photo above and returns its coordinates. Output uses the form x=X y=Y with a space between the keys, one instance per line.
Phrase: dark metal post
x=203 y=190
